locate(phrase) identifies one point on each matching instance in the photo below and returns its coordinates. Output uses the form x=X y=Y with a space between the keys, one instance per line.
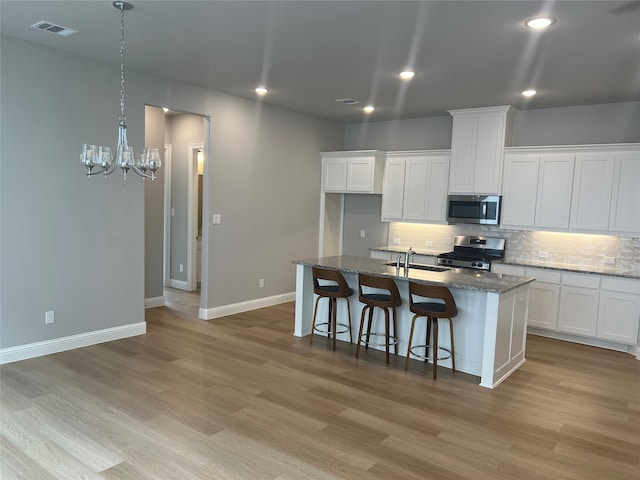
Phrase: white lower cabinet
x=585 y=305
x=619 y=310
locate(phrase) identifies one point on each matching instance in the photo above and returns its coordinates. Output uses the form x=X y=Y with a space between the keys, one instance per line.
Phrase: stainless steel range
x=471 y=252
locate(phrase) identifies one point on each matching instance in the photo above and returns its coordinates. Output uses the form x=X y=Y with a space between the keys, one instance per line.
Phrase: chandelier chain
x=122 y=118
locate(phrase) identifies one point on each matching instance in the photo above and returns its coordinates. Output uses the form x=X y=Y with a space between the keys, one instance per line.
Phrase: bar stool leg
x=371 y=309
x=413 y=324
x=435 y=347
x=395 y=331
x=350 y=327
x=386 y=332
x=334 y=319
x=426 y=352
x=362 y=317
x=453 y=356
x=313 y=324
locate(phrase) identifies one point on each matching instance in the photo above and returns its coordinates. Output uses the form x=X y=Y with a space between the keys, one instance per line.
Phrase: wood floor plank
x=240 y=397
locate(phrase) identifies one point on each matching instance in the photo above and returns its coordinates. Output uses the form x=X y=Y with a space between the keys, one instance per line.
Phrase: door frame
x=192 y=208
x=166 y=267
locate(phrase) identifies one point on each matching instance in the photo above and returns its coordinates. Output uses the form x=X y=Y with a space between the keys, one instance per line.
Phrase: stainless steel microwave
x=483 y=209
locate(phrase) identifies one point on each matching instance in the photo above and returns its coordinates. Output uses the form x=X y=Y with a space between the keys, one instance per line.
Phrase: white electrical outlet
x=543 y=253
x=217 y=219
x=173 y=212
x=428 y=243
x=609 y=260
x=261 y=283
x=49 y=317
x=362 y=233
x=181 y=268
x=396 y=241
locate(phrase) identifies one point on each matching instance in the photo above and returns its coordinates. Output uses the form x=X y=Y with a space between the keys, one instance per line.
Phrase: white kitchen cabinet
x=619 y=310
x=477 y=149
x=352 y=171
x=592 y=183
x=578 y=312
x=393 y=189
x=625 y=200
x=544 y=298
x=537 y=189
x=421 y=194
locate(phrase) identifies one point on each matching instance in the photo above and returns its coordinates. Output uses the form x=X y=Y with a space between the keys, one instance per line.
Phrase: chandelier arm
x=106 y=171
x=143 y=174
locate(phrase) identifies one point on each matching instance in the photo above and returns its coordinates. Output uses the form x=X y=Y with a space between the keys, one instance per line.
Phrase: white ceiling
x=309 y=53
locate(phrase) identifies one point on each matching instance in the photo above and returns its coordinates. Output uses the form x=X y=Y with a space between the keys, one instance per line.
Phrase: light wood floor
x=241 y=398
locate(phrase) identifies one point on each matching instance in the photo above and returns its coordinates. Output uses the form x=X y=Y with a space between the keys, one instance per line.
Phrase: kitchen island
x=490 y=328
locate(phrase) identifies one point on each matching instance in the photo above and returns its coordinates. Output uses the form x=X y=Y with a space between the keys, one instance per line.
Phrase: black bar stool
x=338 y=288
x=385 y=301
x=444 y=306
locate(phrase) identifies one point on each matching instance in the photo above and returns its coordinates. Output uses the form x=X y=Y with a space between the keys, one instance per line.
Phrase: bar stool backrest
x=432 y=292
x=380 y=283
x=339 y=287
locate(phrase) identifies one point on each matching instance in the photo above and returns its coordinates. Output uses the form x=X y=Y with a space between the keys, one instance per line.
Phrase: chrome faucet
x=407 y=255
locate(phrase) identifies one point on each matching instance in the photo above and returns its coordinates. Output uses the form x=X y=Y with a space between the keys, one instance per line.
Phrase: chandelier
x=93 y=156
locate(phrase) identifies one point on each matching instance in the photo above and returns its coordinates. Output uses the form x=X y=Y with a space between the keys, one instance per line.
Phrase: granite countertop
x=453 y=278
x=564 y=267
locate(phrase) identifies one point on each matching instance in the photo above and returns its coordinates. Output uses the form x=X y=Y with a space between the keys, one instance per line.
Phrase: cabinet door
x=625 y=217
x=415 y=188
x=435 y=208
x=520 y=190
x=335 y=175
x=578 y=310
x=618 y=317
x=360 y=175
x=489 y=154
x=393 y=190
x=543 y=305
x=591 y=200
x=463 y=147
x=553 y=201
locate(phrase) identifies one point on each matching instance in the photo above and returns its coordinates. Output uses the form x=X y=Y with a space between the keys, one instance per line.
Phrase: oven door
x=483 y=209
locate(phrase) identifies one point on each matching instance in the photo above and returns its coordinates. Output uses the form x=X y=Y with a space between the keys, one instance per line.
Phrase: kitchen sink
x=420 y=266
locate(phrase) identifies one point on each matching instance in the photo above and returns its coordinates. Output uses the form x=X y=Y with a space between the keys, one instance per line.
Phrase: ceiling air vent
x=53 y=28
x=346 y=101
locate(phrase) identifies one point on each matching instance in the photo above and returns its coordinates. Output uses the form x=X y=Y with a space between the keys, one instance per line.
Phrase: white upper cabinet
x=592 y=182
x=579 y=188
x=352 y=171
x=625 y=200
x=537 y=190
x=477 y=149
x=415 y=186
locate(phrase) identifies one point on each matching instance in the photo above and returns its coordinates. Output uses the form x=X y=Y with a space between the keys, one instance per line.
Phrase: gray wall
x=77 y=245
x=362 y=212
x=154 y=126
x=587 y=124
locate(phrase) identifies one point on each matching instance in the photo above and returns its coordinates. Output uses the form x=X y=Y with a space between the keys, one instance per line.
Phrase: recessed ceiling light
x=261 y=90
x=539 y=23
x=529 y=93
x=369 y=108
x=166 y=110
x=407 y=75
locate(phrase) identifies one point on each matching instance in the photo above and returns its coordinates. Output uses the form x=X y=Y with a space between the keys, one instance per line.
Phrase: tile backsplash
x=570 y=248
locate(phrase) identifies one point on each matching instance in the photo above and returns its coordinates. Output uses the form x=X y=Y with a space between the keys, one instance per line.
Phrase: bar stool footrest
x=427 y=348
x=327 y=331
x=392 y=340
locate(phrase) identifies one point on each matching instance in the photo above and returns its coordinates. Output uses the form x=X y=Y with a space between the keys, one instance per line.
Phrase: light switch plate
x=217 y=219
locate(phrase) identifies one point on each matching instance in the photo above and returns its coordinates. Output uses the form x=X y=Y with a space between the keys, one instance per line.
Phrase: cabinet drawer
x=508 y=269
x=545 y=276
x=578 y=280
x=621 y=285
x=380 y=254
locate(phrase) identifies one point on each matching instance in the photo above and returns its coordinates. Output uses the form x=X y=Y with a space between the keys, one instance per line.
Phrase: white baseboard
x=182 y=285
x=153 y=302
x=224 y=310
x=38 y=349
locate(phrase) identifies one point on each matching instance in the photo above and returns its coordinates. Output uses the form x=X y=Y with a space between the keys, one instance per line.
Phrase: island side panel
x=304 y=301
x=505 y=339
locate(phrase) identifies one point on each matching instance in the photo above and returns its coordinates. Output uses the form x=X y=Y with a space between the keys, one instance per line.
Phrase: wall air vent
x=346 y=101
x=53 y=28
